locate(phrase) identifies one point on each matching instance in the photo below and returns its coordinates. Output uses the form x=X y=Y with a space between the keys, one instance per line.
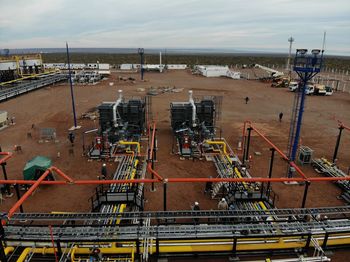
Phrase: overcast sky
x=234 y=24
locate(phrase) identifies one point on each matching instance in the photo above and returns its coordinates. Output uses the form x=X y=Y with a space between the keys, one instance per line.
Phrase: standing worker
x=223 y=204
x=246 y=100
x=280 y=116
x=196 y=208
x=71 y=138
x=104 y=171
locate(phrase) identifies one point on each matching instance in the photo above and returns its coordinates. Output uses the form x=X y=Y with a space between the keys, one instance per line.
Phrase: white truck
x=320 y=90
x=293 y=86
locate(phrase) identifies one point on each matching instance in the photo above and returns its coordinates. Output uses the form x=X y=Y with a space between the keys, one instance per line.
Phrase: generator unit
x=123 y=119
x=192 y=123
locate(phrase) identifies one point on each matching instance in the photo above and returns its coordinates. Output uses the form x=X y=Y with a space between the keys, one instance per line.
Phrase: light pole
x=306 y=66
x=71 y=88
x=141 y=51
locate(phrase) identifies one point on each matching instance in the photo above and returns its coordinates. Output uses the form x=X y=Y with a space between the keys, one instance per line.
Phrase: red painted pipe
x=345 y=127
x=177 y=180
x=149 y=168
x=149 y=165
x=7 y=155
x=124 y=181
x=61 y=174
x=27 y=194
x=299 y=171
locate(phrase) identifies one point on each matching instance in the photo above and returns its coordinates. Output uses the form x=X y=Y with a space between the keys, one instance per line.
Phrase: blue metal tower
x=306 y=66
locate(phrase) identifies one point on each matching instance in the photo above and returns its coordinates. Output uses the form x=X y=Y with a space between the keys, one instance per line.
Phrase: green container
x=35 y=167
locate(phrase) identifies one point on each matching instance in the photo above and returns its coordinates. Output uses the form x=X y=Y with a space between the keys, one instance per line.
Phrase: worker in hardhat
x=196 y=208
x=104 y=171
x=222 y=205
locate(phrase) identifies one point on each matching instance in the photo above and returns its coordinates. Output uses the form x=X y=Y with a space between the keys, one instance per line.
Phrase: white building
x=176 y=66
x=217 y=71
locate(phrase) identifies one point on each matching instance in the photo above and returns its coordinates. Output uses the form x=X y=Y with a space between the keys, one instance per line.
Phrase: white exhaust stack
x=190 y=93
x=115 y=106
x=160 y=62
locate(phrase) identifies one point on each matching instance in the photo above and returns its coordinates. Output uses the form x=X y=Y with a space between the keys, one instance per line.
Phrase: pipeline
x=177 y=180
x=206 y=245
x=274 y=147
x=7 y=155
x=34 y=186
x=131 y=143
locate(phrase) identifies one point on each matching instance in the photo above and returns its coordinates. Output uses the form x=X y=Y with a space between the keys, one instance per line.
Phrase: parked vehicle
x=310 y=89
x=329 y=90
x=293 y=86
x=320 y=90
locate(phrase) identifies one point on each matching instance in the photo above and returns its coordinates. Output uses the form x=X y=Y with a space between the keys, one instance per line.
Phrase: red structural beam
x=149 y=165
x=36 y=185
x=299 y=171
x=343 y=126
x=27 y=194
x=7 y=155
x=177 y=180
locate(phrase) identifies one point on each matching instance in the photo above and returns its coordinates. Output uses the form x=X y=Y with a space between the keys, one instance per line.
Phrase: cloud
x=255 y=24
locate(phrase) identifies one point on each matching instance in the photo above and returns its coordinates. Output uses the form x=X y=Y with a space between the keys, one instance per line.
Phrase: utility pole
x=288 y=67
x=141 y=51
x=71 y=88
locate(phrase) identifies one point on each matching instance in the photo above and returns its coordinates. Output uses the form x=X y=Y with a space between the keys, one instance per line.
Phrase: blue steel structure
x=306 y=66
x=71 y=87
x=141 y=51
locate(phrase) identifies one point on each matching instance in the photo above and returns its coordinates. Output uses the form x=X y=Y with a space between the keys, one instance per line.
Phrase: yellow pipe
x=176 y=246
x=131 y=143
x=27 y=250
x=9 y=250
x=211 y=142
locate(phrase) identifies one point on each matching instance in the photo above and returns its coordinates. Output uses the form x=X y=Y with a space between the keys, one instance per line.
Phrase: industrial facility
x=213 y=173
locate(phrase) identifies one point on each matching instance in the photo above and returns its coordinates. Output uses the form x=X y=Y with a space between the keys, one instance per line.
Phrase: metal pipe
x=35 y=185
x=191 y=101
x=245 y=158
x=115 y=107
x=177 y=180
x=7 y=155
x=165 y=182
x=27 y=194
x=151 y=152
x=7 y=187
x=307 y=184
x=278 y=150
x=215 y=142
x=131 y=143
x=18 y=197
x=270 y=168
x=298 y=170
x=341 y=127
x=61 y=174
x=71 y=87
x=270 y=143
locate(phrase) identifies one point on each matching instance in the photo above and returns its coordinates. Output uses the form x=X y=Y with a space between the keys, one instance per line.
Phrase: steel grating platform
x=340 y=211
x=27 y=86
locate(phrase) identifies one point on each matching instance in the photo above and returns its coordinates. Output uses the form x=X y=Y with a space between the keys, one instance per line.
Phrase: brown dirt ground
x=51 y=107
